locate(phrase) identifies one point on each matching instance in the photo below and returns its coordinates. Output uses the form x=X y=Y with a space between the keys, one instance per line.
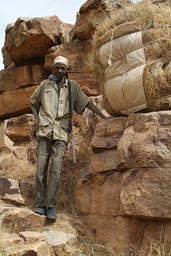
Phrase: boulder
x=15 y=164
x=19 y=219
x=15 y=103
x=63 y=244
x=10 y=191
x=10 y=239
x=6 y=58
x=89 y=15
x=109 y=133
x=5 y=142
x=14 y=78
x=19 y=129
x=37 y=249
x=31 y=237
x=28 y=39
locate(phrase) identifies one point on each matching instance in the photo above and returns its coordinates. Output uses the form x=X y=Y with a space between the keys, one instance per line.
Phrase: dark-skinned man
x=50 y=107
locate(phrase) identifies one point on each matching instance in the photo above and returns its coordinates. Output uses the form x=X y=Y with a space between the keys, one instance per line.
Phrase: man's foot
x=40 y=210
x=51 y=213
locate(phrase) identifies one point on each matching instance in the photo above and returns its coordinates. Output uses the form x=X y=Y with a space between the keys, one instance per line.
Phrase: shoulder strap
x=70 y=105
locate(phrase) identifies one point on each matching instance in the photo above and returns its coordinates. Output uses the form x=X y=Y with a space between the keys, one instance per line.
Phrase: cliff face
x=123 y=194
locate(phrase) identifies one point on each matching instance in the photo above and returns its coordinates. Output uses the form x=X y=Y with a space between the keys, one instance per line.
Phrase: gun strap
x=70 y=105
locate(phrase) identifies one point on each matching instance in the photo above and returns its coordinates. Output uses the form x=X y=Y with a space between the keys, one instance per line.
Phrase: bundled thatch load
x=132 y=59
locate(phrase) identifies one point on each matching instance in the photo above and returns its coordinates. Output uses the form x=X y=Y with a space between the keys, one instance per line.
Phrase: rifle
x=73 y=148
x=70 y=124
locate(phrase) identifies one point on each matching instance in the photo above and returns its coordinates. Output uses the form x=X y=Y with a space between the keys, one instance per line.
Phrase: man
x=50 y=107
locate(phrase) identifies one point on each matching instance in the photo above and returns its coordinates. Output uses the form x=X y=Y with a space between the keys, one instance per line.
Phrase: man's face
x=59 y=70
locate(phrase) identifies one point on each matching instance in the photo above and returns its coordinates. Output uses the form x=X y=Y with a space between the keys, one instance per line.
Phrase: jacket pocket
x=43 y=122
x=65 y=124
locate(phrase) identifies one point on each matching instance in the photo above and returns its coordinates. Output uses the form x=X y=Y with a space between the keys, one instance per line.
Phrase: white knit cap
x=61 y=59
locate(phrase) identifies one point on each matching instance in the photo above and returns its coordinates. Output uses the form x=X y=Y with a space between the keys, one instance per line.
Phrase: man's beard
x=59 y=78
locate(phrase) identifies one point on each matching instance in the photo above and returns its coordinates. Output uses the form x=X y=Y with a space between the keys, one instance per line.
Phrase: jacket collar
x=63 y=82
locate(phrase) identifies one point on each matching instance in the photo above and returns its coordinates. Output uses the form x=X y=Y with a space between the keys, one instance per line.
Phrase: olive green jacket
x=52 y=105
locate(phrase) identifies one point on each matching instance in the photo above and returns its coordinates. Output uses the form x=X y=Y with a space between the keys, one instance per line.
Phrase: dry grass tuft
x=157 y=85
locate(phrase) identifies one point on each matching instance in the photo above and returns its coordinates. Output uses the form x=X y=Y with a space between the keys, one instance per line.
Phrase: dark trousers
x=50 y=155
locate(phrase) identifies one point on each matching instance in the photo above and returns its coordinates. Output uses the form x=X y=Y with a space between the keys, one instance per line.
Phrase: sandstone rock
x=19 y=152
x=6 y=58
x=124 y=233
x=31 y=237
x=4 y=206
x=157 y=234
x=7 y=240
x=109 y=199
x=15 y=102
x=7 y=164
x=4 y=140
x=99 y=194
x=128 y=185
x=91 y=187
x=145 y=141
x=10 y=191
x=120 y=232
x=14 y=78
x=146 y=192
x=107 y=134
x=29 y=39
x=19 y=129
x=31 y=154
x=27 y=188
x=103 y=162
x=7 y=79
x=144 y=188
x=13 y=166
x=19 y=220
x=63 y=244
x=79 y=68
x=83 y=196
x=37 y=249
x=89 y=15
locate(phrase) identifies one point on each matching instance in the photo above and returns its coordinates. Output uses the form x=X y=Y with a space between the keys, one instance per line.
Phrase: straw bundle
x=135 y=44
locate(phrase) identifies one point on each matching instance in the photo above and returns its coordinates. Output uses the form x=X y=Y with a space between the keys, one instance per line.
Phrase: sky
x=10 y=10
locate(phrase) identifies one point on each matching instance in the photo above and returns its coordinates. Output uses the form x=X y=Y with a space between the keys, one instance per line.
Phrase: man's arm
x=36 y=114
x=93 y=108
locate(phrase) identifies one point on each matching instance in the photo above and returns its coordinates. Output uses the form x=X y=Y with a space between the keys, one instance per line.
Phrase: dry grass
x=159 y=48
x=157 y=85
x=146 y=15
x=154 y=22
x=90 y=249
x=87 y=248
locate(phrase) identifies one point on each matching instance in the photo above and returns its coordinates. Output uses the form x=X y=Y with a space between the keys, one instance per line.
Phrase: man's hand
x=36 y=115
x=97 y=111
x=37 y=120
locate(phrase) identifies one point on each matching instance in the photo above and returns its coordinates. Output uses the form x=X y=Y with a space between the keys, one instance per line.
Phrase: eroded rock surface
x=128 y=181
